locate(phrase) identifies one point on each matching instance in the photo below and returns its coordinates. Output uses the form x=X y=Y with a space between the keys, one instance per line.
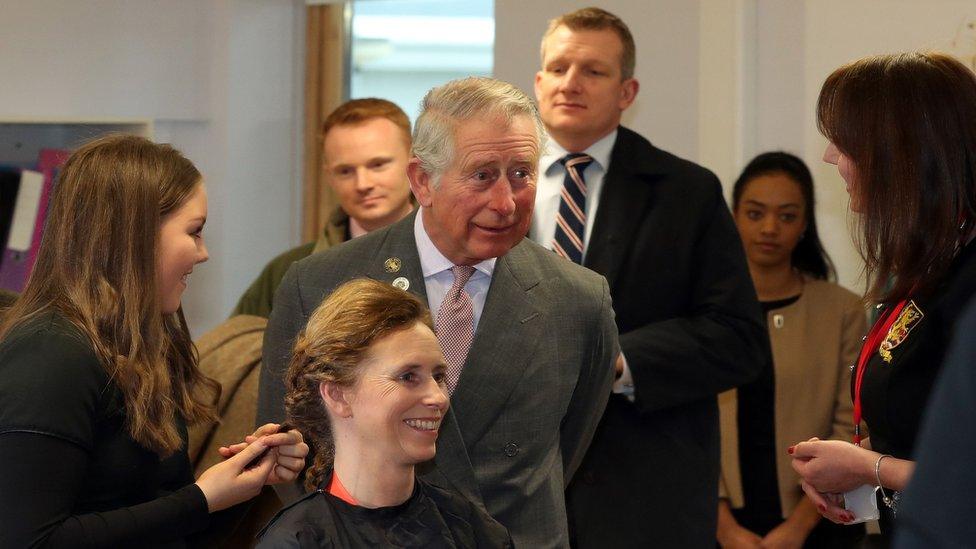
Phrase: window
x=402 y=48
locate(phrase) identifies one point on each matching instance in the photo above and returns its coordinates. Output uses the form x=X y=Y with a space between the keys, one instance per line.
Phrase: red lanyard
x=871 y=345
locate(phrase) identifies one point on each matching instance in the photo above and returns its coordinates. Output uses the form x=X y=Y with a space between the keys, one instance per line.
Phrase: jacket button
x=511 y=449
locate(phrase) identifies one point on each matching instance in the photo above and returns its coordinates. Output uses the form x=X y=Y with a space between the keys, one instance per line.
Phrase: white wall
x=222 y=81
x=803 y=42
x=666 y=35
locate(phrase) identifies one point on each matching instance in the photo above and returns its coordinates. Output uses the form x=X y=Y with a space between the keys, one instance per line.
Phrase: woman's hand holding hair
x=237 y=479
x=289 y=449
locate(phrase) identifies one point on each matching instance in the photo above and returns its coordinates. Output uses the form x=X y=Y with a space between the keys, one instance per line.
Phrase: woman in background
x=98 y=375
x=902 y=132
x=815 y=329
x=367 y=385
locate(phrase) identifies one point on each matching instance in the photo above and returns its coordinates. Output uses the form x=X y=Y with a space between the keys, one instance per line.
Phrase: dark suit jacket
x=531 y=392
x=936 y=510
x=689 y=328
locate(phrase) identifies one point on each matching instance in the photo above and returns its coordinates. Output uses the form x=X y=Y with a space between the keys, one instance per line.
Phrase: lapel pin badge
x=401 y=282
x=778 y=320
x=392 y=265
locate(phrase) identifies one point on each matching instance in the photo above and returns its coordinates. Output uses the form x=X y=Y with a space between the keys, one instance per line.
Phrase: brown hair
x=597 y=19
x=96 y=267
x=358 y=111
x=908 y=124
x=332 y=347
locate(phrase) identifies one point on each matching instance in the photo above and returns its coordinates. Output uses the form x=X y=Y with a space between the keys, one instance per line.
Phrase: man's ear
x=420 y=182
x=334 y=398
x=628 y=93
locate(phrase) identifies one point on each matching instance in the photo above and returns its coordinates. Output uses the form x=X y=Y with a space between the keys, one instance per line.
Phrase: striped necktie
x=571 y=218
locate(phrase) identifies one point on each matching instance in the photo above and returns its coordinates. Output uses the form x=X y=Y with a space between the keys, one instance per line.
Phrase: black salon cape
x=431 y=518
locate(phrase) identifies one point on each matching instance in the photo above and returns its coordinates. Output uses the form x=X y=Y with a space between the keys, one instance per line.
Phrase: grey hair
x=445 y=107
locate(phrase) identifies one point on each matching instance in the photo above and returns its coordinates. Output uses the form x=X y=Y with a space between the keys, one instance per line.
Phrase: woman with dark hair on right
x=367 y=384
x=902 y=132
x=815 y=330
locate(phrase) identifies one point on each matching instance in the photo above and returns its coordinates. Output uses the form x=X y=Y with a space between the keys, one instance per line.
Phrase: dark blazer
x=690 y=328
x=936 y=510
x=531 y=392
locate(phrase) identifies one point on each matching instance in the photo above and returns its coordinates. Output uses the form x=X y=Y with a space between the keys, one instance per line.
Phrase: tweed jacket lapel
x=396 y=258
x=510 y=327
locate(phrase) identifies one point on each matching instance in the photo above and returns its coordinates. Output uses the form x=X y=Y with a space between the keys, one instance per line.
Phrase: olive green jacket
x=257 y=299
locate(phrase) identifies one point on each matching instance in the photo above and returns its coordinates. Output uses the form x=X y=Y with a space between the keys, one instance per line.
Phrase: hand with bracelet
x=831 y=467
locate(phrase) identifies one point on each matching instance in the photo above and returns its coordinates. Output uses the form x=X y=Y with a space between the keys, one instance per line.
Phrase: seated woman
x=98 y=376
x=367 y=386
x=815 y=329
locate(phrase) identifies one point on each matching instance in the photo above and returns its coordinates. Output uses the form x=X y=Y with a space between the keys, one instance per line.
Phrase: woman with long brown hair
x=98 y=375
x=902 y=132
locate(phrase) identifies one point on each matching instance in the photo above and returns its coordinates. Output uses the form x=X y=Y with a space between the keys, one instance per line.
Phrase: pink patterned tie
x=455 y=324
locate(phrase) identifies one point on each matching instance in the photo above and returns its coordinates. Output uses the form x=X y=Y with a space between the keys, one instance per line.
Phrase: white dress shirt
x=551 y=176
x=438 y=277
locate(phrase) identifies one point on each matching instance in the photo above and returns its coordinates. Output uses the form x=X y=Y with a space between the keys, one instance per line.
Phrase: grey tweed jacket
x=532 y=391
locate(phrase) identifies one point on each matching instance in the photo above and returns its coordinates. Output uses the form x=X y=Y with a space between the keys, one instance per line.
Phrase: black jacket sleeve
x=720 y=342
x=41 y=478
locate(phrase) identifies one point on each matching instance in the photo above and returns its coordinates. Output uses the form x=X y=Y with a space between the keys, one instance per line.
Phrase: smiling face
x=580 y=89
x=845 y=167
x=397 y=403
x=771 y=218
x=481 y=206
x=180 y=247
x=366 y=165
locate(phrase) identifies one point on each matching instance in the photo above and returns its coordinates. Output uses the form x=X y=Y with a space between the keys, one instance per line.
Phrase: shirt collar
x=432 y=261
x=599 y=151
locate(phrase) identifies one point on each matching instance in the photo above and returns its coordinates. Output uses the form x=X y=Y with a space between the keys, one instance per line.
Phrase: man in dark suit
x=656 y=226
x=527 y=397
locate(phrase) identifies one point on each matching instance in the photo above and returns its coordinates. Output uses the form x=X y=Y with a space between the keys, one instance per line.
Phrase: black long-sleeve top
x=70 y=474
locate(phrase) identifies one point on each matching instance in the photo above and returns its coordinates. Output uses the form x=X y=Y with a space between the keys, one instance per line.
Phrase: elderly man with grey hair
x=528 y=337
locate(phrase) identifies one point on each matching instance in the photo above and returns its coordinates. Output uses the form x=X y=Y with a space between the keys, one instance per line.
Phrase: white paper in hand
x=862 y=502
